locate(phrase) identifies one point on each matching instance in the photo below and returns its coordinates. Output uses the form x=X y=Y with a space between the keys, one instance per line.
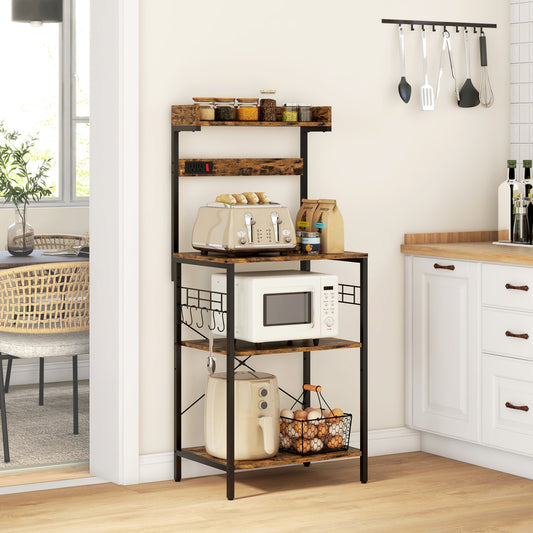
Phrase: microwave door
x=288 y=309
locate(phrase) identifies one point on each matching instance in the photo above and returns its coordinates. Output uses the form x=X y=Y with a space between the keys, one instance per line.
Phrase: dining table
x=37 y=257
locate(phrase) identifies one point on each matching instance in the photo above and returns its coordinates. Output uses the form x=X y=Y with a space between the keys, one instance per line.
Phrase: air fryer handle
x=265 y=422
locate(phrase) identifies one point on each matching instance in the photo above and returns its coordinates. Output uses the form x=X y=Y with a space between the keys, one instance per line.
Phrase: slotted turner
x=426 y=91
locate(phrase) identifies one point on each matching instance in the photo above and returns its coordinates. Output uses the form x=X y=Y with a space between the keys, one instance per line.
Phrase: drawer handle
x=509 y=405
x=517 y=287
x=517 y=335
x=446 y=267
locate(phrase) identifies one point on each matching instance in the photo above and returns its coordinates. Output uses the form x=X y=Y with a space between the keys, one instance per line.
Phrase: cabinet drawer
x=507 y=286
x=507 y=333
x=507 y=385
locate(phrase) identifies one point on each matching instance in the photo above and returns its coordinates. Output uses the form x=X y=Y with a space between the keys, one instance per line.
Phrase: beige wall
x=392 y=167
x=48 y=220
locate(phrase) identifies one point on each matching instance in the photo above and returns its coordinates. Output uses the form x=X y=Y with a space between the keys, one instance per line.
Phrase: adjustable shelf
x=244 y=349
x=199 y=454
x=186 y=118
x=241 y=167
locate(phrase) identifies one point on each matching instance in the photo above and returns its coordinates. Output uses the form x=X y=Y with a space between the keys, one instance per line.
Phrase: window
x=45 y=91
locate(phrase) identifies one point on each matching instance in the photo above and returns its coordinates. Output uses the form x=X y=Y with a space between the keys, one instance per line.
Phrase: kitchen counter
x=476 y=246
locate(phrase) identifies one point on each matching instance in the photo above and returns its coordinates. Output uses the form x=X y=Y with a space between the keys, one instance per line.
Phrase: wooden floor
x=407 y=493
x=43 y=475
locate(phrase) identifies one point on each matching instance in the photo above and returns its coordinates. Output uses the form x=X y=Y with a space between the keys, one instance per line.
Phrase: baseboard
x=476 y=454
x=160 y=466
x=54 y=371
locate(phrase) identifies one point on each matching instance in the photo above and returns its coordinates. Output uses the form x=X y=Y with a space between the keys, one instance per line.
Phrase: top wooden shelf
x=192 y=257
x=189 y=115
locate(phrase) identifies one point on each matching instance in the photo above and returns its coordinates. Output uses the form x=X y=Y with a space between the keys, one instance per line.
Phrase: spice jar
x=267 y=110
x=304 y=113
x=290 y=113
x=207 y=109
x=310 y=242
x=224 y=109
x=247 y=109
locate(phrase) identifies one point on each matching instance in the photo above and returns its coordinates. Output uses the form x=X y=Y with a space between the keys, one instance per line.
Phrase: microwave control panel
x=330 y=305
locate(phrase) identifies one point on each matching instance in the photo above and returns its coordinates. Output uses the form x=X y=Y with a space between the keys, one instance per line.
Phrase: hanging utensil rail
x=434 y=23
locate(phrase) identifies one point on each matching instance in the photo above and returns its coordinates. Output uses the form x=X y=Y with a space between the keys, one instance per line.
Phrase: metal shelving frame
x=305 y=265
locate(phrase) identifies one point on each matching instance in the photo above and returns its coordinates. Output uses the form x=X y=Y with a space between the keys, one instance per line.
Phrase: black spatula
x=468 y=95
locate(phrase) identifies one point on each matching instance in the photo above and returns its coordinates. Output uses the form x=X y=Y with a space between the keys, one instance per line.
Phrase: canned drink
x=310 y=242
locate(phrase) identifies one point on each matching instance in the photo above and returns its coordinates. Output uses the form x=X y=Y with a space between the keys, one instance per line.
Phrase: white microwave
x=283 y=305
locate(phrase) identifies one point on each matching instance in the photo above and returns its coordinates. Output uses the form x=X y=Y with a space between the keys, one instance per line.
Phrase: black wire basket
x=321 y=435
x=316 y=435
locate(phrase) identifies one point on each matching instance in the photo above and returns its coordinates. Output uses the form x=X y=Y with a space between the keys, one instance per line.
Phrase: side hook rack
x=434 y=23
x=196 y=302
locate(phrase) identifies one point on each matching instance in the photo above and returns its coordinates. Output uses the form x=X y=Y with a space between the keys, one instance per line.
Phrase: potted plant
x=22 y=179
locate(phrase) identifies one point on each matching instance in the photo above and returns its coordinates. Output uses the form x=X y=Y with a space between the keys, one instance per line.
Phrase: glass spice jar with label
x=224 y=109
x=207 y=107
x=267 y=110
x=290 y=113
x=304 y=113
x=247 y=109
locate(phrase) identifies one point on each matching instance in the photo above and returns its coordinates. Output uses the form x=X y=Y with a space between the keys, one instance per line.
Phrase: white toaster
x=243 y=228
x=256 y=415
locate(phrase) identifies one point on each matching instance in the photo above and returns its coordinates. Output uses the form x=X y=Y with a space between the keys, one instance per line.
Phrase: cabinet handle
x=517 y=287
x=517 y=335
x=509 y=405
x=446 y=267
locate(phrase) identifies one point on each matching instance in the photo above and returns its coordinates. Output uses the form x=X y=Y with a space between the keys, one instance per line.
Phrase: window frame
x=69 y=119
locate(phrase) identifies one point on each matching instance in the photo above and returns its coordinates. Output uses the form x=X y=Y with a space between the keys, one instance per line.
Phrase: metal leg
x=363 y=322
x=75 y=392
x=8 y=374
x=177 y=372
x=3 y=413
x=41 y=380
x=230 y=384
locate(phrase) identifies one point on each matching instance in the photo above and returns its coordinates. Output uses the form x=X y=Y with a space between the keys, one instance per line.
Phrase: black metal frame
x=434 y=23
x=177 y=263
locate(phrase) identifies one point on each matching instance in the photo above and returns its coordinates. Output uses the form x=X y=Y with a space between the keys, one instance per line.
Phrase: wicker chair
x=44 y=312
x=57 y=242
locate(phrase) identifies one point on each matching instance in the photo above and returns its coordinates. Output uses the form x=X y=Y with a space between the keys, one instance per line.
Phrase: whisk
x=486 y=96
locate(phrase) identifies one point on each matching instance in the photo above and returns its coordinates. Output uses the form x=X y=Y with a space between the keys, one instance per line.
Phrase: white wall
x=393 y=168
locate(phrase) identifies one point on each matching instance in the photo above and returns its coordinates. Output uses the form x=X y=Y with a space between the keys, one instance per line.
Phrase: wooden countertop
x=474 y=246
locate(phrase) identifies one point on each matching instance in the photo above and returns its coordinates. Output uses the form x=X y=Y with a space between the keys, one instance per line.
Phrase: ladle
x=403 y=87
x=468 y=95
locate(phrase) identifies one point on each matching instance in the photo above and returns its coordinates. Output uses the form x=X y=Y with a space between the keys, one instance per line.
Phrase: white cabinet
x=445 y=304
x=469 y=358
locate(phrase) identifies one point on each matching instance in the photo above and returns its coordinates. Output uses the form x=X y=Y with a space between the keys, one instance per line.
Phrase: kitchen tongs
x=446 y=48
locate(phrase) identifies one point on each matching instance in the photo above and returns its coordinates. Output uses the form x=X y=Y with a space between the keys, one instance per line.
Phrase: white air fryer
x=256 y=415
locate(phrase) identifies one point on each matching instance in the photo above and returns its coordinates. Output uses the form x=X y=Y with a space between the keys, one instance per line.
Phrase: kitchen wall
x=48 y=220
x=521 y=36
x=392 y=167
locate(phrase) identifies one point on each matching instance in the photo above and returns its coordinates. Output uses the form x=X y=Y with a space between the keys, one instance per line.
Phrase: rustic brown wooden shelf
x=189 y=115
x=282 y=458
x=266 y=257
x=243 y=348
x=247 y=167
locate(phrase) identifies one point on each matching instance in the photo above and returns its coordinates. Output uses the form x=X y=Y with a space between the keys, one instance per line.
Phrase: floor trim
x=31 y=487
x=160 y=466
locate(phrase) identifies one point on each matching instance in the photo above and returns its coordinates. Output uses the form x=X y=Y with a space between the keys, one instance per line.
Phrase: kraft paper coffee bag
x=327 y=220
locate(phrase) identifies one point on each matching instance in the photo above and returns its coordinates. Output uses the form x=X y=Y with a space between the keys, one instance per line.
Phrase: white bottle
x=506 y=191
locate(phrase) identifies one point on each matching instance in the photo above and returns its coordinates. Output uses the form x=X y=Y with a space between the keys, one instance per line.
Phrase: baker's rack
x=186 y=118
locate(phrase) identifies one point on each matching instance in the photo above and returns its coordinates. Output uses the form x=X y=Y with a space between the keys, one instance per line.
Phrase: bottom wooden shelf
x=282 y=458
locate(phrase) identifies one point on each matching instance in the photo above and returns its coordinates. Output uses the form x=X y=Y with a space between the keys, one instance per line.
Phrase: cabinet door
x=445 y=348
